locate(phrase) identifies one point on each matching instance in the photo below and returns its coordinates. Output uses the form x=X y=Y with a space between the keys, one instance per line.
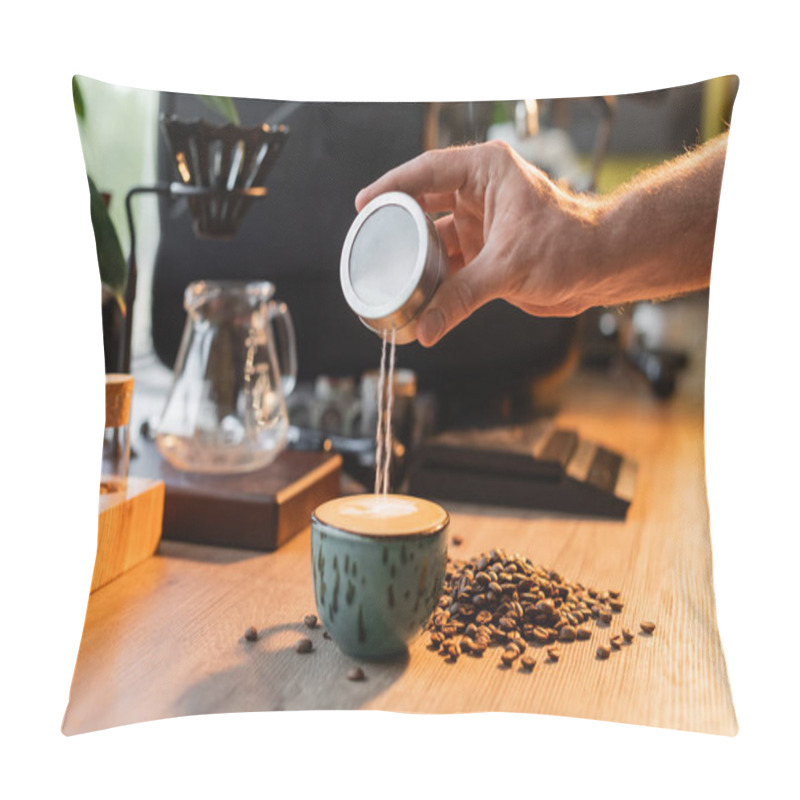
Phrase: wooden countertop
x=167 y=638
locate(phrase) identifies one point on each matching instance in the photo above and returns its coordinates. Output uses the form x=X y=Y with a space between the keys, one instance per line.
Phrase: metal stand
x=172 y=191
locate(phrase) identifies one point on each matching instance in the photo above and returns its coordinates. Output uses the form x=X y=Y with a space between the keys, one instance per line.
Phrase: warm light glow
x=532 y=109
x=183 y=168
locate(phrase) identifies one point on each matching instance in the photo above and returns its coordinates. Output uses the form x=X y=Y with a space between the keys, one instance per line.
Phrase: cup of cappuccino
x=378 y=563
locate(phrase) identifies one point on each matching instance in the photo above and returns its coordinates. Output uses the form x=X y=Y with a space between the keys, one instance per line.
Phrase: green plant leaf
x=222 y=105
x=77 y=99
x=113 y=269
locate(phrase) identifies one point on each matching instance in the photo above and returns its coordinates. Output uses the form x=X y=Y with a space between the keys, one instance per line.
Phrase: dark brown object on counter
x=356 y=674
x=251 y=634
x=259 y=510
x=603 y=652
x=647 y=627
x=310 y=620
x=304 y=646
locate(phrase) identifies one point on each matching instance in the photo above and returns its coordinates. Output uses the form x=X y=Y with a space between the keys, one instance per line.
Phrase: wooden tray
x=256 y=510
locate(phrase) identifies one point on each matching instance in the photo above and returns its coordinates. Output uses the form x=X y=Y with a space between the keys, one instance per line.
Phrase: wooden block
x=258 y=510
x=129 y=528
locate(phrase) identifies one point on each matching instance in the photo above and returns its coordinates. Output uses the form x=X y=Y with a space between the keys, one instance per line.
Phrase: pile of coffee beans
x=502 y=600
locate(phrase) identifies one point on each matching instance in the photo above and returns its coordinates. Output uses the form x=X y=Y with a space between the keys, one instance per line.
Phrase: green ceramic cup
x=378 y=564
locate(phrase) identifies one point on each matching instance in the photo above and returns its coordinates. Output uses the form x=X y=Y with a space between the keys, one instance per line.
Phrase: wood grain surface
x=128 y=529
x=167 y=638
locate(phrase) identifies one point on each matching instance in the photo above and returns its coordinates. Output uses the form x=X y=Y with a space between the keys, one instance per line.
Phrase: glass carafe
x=237 y=362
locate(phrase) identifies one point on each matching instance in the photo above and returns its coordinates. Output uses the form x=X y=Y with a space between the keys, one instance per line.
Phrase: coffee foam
x=382 y=515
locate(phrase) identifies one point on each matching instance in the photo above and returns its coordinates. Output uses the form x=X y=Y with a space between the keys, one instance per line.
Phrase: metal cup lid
x=383 y=257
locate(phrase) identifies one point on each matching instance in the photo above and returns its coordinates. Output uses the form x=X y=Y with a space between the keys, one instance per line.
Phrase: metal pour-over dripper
x=221 y=169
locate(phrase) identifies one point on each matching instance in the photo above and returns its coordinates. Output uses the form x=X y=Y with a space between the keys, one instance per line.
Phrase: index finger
x=432 y=172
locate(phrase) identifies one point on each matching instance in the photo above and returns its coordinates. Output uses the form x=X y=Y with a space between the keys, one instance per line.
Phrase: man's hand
x=511 y=233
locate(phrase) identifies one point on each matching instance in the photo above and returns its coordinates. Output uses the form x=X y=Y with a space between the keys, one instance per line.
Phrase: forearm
x=654 y=237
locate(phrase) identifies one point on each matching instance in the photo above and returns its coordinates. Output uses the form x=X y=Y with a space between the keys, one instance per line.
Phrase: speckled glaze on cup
x=375 y=593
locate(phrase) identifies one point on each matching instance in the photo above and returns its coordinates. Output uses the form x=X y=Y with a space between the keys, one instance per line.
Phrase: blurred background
x=500 y=366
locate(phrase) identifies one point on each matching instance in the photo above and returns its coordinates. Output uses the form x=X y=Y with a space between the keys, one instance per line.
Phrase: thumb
x=458 y=296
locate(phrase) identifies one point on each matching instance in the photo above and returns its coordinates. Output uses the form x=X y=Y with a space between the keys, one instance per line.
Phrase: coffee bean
x=603 y=652
x=251 y=634
x=616 y=605
x=554 y=653
x=326 y=635
x=456 y=540
x=509 y=656
x=527 y=663
x=546 y=607
x=304 y=646
x=616 y=642
x=567 y=634
x=541 y=636
x=583 y=633
x=614 y=593
x=627 y=635
x=310 y=621
x=647 y=627
x=356 y=674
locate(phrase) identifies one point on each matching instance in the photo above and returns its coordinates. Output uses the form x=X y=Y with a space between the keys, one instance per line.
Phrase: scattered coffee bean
x=310 y=620
x=304 y=646
x=251 y=634
x=616 y=605
x=509 y=656
x=527 y=663
x=583 y=633
x=616 y=642
x=456 y=540
x=647 y=627
x=614 y=593
x=627 y=635
x=356 y=674
x=603 y=652
x=326 y=635
x=554 y=653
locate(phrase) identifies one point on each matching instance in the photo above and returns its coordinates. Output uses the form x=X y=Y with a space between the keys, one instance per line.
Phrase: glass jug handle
x=285 y=346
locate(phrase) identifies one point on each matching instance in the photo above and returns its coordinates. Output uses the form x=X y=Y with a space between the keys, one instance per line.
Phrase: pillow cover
x=566 y=448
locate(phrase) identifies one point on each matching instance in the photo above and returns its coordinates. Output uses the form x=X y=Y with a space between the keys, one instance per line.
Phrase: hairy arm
x=655 y=235
x=511 y=233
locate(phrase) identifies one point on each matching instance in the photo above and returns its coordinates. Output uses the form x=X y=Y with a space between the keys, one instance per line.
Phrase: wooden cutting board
x=257 y=510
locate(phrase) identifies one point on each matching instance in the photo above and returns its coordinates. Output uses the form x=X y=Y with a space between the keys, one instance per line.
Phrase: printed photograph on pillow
x=403 y=406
